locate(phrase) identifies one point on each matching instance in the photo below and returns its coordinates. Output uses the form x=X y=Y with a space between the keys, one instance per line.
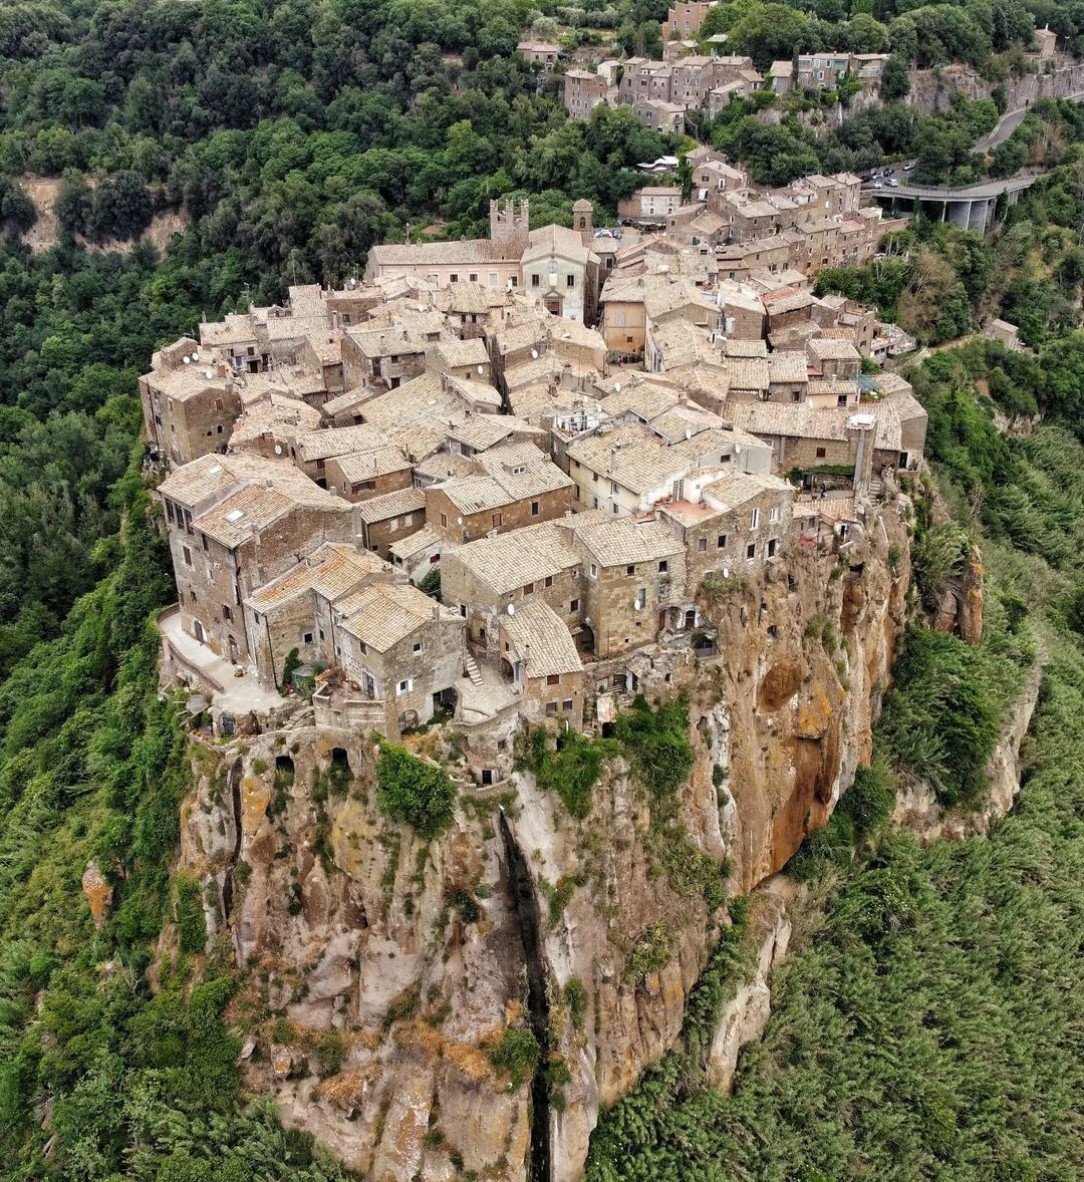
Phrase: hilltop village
x=452 y=489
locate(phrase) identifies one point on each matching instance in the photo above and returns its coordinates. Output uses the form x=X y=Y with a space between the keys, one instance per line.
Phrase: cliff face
x=379 y=970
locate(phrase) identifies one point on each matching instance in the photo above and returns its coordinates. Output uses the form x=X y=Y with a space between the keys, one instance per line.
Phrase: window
x=701 y=544
x=821 y=453
x=549 y=580
x=444 y=519
x=722 y=542
x=551 y=707
x=553 y=679
x=570 y=281
x=535 y=509
x=361 y=645
x=641 y=597
x=528 y=589
x=751 y=550
x=495 y=518
x=773 y=514
x=169 y=510
x=417 y=646
x=306 y=638
x=513 y=282
x=187 y=555
x=473 y=277
x=754 y=521
x=226 y=613
x=594 y=571
x=463 y=610
x=566 y=705
x=408 y=520
x=841 y=400
x=630 y=570
x=615 y=507
x=493 y=279
x=453 y=278
x=574 y=606
x=664 y=566
x=772 y=544
x=193 y=595
x=203 y=539
x=536 y=280
x=404 y=687
x=434 y=559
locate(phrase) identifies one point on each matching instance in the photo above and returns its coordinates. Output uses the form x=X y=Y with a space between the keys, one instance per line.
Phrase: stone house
x=537 y=563
x=834 y=358
x=468 y=360
x=189 y=406
x=383 y=358
x=362 y=475
x=400 y=647
x=418 y=552
x=634 y=576
x=390 y=518
x=295 y=611
x=741 y=519
x=583 y=92
x=235 y=523
x=539 y=655
x=542 y=53
x=626 y=469
x=516 y=485
x=311 y=451
x=686 y=18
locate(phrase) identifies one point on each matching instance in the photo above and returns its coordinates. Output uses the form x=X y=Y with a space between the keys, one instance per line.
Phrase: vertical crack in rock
x=234 y=783
x=525 y=902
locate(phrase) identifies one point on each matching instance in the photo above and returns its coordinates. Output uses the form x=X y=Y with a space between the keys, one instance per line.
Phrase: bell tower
x=583 y=219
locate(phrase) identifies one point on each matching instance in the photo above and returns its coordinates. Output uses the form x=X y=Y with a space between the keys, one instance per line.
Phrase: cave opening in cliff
x=284 y=771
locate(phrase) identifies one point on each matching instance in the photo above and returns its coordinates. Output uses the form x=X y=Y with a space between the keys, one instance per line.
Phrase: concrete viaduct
x=970 y=208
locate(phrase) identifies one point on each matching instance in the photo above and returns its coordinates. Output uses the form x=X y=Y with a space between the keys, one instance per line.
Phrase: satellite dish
x=195 y=355
x=511 y=609
x=187 y=360
x=534 y=354
x=737 y=449
x=459 y=521
x=617 y=387
x=278 y=449
x=481 y=369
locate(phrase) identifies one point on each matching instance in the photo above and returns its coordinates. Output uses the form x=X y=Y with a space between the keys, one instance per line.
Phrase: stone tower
x=509 y=227
x=583 y=213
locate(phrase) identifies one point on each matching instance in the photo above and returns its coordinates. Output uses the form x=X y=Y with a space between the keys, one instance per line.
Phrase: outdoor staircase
x=876 y=488
x=473 y=672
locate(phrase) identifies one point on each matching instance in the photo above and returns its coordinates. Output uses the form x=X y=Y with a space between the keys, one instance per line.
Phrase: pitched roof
x=625 y=541
x=367 y=465
x=332 y=571
x=383 y=614
x=338 y=441
x=393 y=504
x=510 y=561
x=541 y=639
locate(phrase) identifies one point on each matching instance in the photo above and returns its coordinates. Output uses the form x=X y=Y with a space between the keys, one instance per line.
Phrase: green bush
x=656 y=743
x=413 y=792
x=571 y=767
x=191 y=923
x=516 y=1055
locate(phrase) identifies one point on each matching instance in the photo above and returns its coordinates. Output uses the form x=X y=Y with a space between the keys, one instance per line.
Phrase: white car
x=878 y=184
x=893 y=183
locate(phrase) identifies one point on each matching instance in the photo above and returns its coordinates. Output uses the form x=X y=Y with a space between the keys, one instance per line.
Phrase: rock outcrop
x=379 y=971
x=917 y=807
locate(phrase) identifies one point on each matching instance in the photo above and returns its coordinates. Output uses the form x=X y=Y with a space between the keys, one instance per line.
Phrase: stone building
x=539 y=655
x=634 y=575
x=189 y=406
x=583 y=92
x=390 y=518
x=235 y=523
x=740 y=520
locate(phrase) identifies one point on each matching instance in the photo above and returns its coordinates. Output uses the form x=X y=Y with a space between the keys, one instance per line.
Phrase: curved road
x=1009 y=122
x=981 y=192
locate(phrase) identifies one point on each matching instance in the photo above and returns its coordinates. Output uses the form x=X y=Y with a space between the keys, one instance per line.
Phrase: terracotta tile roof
x=382 y=615
x=338 y=441
x=393 y=504
x=625 y=541
x=510 y=561
x=425 y=538
x=542 y=640
x=332 y=571
x=367 y=465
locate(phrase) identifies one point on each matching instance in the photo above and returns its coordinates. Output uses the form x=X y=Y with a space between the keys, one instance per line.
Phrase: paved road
x=969 y=193
x=1008 y=123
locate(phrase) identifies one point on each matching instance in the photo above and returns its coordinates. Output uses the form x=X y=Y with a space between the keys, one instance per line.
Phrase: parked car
x=878 y=184
x=893 y=182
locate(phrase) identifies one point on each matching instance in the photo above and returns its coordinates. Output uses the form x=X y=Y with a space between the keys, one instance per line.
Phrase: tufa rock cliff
x=387 y=982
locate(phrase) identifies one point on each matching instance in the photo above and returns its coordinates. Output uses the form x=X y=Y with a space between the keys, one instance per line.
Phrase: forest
x=290 y=137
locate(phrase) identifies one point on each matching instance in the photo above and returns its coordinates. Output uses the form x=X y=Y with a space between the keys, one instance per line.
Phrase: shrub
x=570 y=768
x=575 y=997
x=289 y=667
x=657 y=743
x=413 y=792
x=191 y=924
x=516 y=1055
x=331 y=1051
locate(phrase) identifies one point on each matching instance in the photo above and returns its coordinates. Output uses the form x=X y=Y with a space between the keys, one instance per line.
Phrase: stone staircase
x=473 y=672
